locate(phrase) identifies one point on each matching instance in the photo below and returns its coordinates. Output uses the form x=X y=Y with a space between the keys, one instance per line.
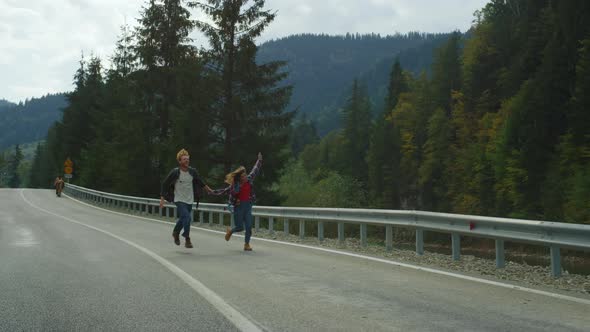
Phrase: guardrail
x=554 y=235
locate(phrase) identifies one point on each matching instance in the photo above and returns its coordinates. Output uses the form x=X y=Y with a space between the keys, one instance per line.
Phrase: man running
x=181 y=186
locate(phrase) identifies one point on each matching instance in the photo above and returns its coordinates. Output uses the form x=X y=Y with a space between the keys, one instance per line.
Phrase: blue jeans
x=184 y=218
x=243 y=219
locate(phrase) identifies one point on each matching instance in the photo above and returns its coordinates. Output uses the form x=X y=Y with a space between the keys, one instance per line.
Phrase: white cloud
x=41 y=40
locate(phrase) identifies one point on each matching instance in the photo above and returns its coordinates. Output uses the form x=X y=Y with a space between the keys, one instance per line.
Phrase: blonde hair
x=229 y=178
x=181 y=153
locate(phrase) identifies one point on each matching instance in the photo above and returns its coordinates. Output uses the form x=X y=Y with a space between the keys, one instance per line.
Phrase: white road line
x=374 y=259
x=234 y=316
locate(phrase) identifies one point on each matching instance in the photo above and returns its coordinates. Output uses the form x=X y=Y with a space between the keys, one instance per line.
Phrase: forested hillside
x=29 y=121
x=321 y=67
x=501 y=127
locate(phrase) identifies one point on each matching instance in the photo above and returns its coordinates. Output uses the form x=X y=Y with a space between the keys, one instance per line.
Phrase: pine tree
x=163 y=45
x=14 y=179
x=356 y=132
x=3 y=170
x=124 y=59
x=383 y=156
x=304 y=133
x=35 y=180
x=397 y=84
x=52 y=156
x=249 y=104
x=447 y=72
x=434 y=163
x=574 y=149
x=404 y=121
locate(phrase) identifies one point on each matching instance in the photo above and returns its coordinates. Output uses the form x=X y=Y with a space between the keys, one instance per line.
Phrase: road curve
x=66 y=266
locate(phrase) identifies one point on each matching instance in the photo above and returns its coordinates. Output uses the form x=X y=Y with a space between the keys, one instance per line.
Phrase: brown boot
x=176 y=237
x=247 y=247
x=227 y=234
x=187 y=243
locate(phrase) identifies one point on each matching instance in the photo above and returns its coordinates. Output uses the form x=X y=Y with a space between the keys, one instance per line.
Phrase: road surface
x=66 y=266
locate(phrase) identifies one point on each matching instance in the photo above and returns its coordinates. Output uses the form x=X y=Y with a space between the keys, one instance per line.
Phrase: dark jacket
x=167 y=190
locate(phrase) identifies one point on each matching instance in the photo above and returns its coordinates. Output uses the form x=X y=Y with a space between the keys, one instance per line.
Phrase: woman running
x=241 y=198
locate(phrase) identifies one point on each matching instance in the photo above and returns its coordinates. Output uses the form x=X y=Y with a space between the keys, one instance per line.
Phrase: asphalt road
x=65 y=266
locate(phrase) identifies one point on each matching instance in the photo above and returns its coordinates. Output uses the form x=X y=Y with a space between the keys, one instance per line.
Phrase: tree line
x=28 y=121
x=124 y=124
x=498 y=125
x=499 y=128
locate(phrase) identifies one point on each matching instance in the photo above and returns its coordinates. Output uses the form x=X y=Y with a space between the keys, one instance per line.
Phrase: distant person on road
x=182 y=186
x=59 y=185
x=241 y=199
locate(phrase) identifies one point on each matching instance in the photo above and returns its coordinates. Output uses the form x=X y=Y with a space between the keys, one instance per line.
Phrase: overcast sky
x=41 y=40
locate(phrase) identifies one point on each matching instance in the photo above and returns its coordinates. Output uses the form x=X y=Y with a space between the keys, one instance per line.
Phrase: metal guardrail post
x=419 y=242
x=500 y=261
x=220 y=218
x=271 y=225
x=555 y=261
x=320 y=231
x=364 y=235
x=302 y=229
x=389 y=238
x=210 y=218
x=201 y=218
x=256 y=223
x=286 y=226
x=341 y=232
x=456 y=244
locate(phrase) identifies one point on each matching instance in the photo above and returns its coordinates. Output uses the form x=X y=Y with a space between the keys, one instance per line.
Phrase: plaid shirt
x=234 y=189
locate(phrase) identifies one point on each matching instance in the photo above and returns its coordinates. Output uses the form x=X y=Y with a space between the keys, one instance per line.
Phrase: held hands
x=161 y=202
x=208 y=190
